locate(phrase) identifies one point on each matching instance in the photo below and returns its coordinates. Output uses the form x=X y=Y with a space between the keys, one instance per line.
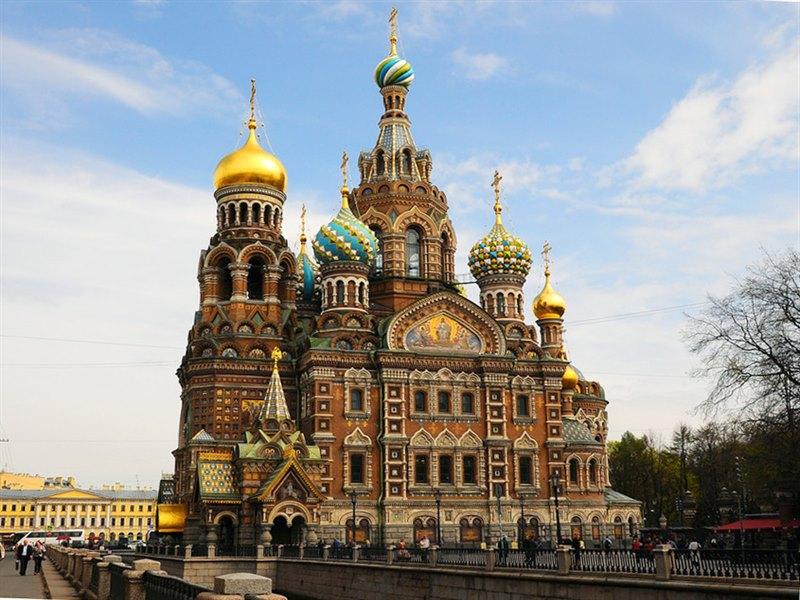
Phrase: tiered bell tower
x=397 y=200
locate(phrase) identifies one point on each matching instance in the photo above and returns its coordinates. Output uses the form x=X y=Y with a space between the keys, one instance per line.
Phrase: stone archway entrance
x=288 y=534
x=227 y=534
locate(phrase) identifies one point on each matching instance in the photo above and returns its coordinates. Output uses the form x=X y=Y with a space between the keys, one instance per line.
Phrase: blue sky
x=655 y=145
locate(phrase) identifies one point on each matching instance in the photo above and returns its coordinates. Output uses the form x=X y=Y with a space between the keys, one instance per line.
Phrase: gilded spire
x=274 y=406
x=252 y=122
x=345 y=191
x=303 y=237
x=393 y=32
x=498 y=208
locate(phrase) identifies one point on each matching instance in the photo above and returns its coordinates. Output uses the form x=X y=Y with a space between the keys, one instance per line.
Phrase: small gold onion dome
x=549 y=304
x=570 y=379
x=250 y=164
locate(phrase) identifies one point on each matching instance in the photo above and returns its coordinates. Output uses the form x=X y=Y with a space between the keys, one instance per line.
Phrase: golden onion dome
x=250 y=164
x=570 y=379
x=549 y=304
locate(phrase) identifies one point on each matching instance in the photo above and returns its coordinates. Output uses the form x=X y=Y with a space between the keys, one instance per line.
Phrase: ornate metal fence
x=166 y=587
x=463 y=557
x=200 y=550
x=117 y=581
x=747 y=564
x=613 y=561
x=529 y=559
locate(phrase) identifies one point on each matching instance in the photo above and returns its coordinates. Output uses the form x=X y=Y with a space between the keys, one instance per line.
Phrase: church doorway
x=288 y=534
x=227 y=534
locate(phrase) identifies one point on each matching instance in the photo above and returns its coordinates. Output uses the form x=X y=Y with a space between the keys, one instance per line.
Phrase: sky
x=654 y=145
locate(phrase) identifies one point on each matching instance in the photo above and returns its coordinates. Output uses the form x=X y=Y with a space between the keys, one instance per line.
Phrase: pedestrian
x=24 y=554
x=576 y=549
x=2 y=551
x=694 y=552
x=607 y=544
x=38 y=556
x=503 y=546
x=636 y=546
x=366 y=549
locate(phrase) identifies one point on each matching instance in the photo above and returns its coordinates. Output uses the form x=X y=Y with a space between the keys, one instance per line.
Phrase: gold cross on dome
x=498 y=208
x=252 y=99
x=344 y=169
x=276 y=356
x=546 y=255
x=393 y=30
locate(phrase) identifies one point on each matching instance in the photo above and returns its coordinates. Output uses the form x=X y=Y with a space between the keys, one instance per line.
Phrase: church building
x=358 y=392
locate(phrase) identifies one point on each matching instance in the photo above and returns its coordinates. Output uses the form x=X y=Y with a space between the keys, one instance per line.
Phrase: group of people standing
x=23 y=554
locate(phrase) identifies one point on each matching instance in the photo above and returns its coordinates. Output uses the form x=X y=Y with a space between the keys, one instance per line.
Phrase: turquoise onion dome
x=394 y=70
x=345 y=238
x=308 y=268
x=499 y=252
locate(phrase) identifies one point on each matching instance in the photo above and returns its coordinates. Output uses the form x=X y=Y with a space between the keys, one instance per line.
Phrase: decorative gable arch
x=422 y=439
x=357 y=438
x=446 y=439
x=470 y=439
x=445 y=322
x=525 y=442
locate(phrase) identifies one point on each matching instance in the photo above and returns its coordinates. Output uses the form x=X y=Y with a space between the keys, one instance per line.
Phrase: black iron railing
x=462 y=557
x=747 y=564
x=200 y=550
x=166 y=587
x=529 y=559
x=117 y=580
x=613 y=561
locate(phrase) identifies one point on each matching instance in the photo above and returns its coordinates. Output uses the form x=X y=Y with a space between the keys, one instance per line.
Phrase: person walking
x=694 y=552
x=38 y=556
x=24 y=554
x=503 y=546
x=576 y=549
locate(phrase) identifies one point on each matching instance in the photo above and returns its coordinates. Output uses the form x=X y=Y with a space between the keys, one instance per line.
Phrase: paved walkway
x=14 y=585
x=59 y=588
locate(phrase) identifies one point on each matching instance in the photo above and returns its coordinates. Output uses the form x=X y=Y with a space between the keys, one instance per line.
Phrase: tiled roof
x=216 y=480
x=577 y=433
x=202 y=436
x=613 y=496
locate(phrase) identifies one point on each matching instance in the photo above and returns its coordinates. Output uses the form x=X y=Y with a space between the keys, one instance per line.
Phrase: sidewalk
x=13 y=585
x=59 y=588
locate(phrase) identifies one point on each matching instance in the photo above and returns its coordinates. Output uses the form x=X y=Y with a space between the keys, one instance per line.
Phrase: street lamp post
x=353 y=500
x=555 y=486
x=437 y=496
x=498 y=492
x=522 y=527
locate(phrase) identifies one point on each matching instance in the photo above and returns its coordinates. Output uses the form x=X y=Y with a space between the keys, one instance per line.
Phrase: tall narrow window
x=257 y=213
x=357 y=400
x=420 y=401
x=470 y=470
x=421 y=474
x=501 y=304
x=255 y=279
x=381 y=163
x=413 y=253
x=340 y=292
x=224 y=279
x=361 y=293
x=467 y=404
x=356 y=468
x=573 y=470
x=445 y=469
x=444 y=402
x=523 y=406
x=525 y=470
x=445 y=257
x=406 y=162
x=593 y=472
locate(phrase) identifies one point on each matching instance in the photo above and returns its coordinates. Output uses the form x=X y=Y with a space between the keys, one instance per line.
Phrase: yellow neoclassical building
x=109 y=513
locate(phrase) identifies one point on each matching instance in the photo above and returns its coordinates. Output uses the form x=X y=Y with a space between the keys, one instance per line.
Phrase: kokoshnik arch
x=365 y=373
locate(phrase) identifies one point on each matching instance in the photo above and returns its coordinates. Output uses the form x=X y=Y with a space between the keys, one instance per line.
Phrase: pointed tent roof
x=274 y=406
x=290 y=464
x=202 y=436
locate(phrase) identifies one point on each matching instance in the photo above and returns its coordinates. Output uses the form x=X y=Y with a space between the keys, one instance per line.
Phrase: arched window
x=523 y=406
x=224 y=279
x=501 y=304
x=340 y=292
x=526 y=470
x=361 y=294
x=443 y=402
x=255 y=279
x=520 y=307
x=467 y=404
x=445 y=258
x=231 y=215
x=357 y=400
x=471 y=530
x=243 y=213
x=596 y=529
x=618 y=528
x=406 y=164
x=268 y=215
x=420 y=401
x=362 y=531
x=413 y=259
x=576 y=528
x=379 y=258
x=593 y=472
x=445 y=469
x=380 y=163
x=573 y=471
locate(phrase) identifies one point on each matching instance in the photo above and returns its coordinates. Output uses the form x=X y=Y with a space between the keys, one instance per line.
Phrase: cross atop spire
x=276 y=356
x=498 y=208
x=252 y=101
x=303 y=229
x=393 y=31
x=546 y=257
x=345 y=191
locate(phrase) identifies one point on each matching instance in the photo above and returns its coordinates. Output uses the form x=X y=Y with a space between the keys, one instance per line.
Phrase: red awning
x=759 y=525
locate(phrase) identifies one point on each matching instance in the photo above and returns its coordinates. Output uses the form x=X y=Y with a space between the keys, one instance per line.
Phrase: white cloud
x=81 y=63
x=721 y=131
x=599 y=8
x=479 y=66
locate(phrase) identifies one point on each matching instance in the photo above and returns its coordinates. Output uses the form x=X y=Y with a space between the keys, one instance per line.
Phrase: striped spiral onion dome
x=308 y=274
x=394 y=70
x=345 y=238
x=499 y=253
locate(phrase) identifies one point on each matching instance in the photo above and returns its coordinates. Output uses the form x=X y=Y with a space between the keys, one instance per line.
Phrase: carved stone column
x=208 y=283
x=239 y=276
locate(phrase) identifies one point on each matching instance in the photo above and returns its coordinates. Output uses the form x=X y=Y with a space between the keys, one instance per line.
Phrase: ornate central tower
x=397 y=200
